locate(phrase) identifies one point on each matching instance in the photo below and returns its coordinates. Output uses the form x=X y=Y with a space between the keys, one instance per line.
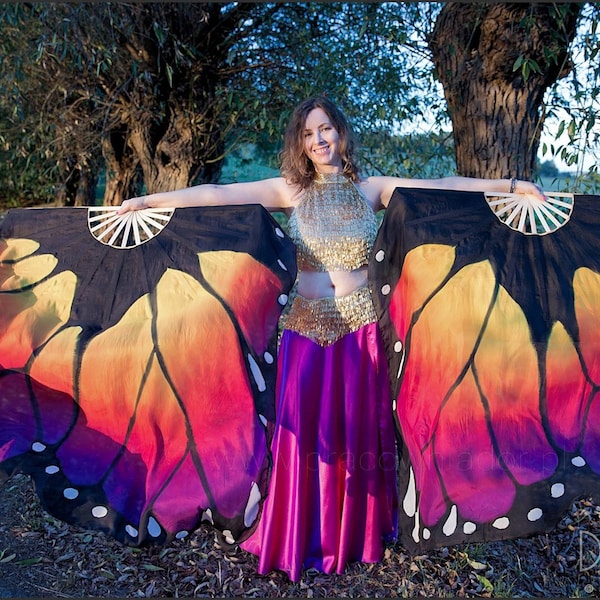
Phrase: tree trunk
x=495 y=62
x=168 y=108
x=79 y=183
x=172 y=158
x=123 y=178
x=65 y=195
x=86 y=190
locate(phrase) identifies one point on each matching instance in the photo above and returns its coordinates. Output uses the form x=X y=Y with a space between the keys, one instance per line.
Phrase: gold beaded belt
x=326 y=320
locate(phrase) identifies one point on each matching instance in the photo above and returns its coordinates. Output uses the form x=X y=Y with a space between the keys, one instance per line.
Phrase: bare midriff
x=322 y=284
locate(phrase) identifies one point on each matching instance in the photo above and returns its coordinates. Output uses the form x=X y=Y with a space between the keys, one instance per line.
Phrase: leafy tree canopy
x=156 y=94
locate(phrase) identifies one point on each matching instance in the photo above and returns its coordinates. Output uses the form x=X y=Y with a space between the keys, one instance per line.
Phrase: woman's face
x=321 y=142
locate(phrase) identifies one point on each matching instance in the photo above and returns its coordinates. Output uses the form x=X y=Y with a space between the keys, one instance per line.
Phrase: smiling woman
x=332 y=495
x=321 y=141
x=208 y=285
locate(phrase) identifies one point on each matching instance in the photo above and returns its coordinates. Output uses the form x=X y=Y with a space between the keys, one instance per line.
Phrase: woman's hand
x=530 y=188
x=132 y=204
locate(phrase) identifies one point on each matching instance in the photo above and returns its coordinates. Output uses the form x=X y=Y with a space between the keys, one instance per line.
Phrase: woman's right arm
x=273 y=194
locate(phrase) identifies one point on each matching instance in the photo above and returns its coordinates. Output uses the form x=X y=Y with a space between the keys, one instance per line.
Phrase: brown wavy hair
x=296 y=167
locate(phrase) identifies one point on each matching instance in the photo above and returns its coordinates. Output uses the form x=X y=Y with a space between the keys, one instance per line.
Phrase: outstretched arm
x=387 y=185
x=273 y=194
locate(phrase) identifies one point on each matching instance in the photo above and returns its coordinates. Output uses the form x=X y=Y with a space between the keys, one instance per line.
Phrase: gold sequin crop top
x=333 y=226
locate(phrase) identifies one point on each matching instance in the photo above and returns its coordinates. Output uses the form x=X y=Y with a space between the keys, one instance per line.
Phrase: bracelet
x=513 y=185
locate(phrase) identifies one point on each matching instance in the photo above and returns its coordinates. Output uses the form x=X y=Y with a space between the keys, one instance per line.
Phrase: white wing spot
x=451 y=522
x=535 y=514
x=557 y=490
x=578 y=461
x=380 y=256
x=99 y=511
x=252 y=505
x=409 y=503
x=52 y=469
x=256 y=373
x=70 y=493
x=283 y=298
x=154 y=529
x=131 y=530
x=38 y=447
x=415 y=531
x=469 y=527
x=268 y=358
x=501 y=523
x=386 y=289
x=180 y=535
x=228 y=536
x=401 y=366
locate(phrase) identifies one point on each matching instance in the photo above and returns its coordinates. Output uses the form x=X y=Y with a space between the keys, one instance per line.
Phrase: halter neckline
x=330 y=178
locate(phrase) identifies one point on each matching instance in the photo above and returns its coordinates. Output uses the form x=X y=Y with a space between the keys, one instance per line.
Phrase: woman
x=332 y=496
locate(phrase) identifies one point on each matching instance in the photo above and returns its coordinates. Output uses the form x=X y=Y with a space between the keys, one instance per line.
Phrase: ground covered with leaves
x=43 y=557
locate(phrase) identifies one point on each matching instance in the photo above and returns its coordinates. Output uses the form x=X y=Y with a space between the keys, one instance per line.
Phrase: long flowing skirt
x=333 y=495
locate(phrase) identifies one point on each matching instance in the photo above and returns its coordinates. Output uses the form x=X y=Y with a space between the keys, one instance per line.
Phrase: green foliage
x=526 y=66
x=237 y=73
x=73 y=74
x=573 y=106
x=47 y=124
x=410 y=155
x=367 y=57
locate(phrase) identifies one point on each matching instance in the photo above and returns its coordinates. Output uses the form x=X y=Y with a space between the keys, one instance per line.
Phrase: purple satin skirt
x=332 y=495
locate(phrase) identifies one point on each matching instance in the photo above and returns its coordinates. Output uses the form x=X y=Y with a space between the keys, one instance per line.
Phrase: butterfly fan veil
x=137 y=364
x=490 y=311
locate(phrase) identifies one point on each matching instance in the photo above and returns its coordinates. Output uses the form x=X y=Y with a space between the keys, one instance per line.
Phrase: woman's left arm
x=387 y=185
